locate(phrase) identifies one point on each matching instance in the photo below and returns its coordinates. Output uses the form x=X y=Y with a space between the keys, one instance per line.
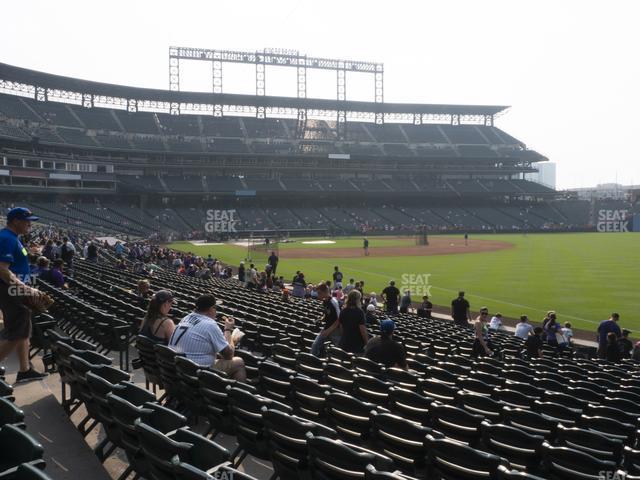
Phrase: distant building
x=606 y=191
x=546 y=174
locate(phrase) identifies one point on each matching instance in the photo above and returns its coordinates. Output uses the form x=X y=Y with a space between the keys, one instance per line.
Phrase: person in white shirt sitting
x=496 y=322
x=523 y=328
x=199 y=337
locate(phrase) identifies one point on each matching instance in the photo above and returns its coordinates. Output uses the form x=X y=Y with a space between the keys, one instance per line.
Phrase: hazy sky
x=570 y=70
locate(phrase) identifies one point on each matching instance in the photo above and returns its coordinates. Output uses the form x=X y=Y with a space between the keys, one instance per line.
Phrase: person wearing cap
x=384 y=349
x=14 y=279
x=200 y=338
x=156 y=324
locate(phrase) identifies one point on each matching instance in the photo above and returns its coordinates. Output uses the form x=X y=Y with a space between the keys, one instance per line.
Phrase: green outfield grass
x=583 y=276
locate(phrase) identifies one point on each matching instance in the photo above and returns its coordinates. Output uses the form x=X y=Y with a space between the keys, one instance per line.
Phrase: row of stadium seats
x=135 y=221
x=451 y=414
x=71 y=121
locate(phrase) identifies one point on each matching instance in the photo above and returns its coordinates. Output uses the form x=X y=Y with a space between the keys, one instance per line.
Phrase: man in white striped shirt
x=199 y=337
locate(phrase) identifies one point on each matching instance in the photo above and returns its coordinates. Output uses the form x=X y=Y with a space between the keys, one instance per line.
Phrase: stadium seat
x=246 y=412
x=309 y=397
x=331 y=459
x=349 y=416
x=10 y=414
x=286 y=436
x=530 y=422
x=521 y=449
x=456 y=423
x=595 y=444
x=18 y=447
x=568 y=464
x=450 y=459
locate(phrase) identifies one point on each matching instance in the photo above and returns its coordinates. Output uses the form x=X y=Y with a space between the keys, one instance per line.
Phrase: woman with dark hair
x=352 y=320
x=157 y=325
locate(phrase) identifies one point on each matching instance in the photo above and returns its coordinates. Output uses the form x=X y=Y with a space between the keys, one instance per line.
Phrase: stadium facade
x=138 y=160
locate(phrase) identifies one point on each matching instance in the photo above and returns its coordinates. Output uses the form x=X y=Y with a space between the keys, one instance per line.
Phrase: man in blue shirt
x=14 y=279
x=606 y=326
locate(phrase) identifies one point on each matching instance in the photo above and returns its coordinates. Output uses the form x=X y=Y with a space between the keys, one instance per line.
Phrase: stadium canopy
x=35 y=79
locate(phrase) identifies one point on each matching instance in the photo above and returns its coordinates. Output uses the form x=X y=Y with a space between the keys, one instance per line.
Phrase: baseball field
x=582 y=276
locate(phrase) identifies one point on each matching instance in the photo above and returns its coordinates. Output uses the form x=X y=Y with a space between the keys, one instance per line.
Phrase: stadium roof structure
x=46 y=86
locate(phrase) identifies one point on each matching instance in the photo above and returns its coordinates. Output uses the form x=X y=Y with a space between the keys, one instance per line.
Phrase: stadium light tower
x=278 y=58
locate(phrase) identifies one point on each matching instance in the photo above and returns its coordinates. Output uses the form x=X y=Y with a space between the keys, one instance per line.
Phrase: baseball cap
x=371 y=308
x=162 y=296
x=387 y=325
x=21 y=213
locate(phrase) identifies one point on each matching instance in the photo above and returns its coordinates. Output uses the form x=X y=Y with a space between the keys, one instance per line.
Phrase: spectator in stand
x=56 y=277
x=567 y=333
x=252 y=276
x=624 y=344
x=199 y=337
x=241 y=273
x=391 y=296
x=426 y=307
x=47 y=251
x=349 y=286
x=56 y=249
x=337 y=277
x=92 y=252
x=156 y=324
x=373 y=299
x=42 y=268
x=612 y=351
x=553 y=332
x=533 y=344
x=405 y=302
x=384 y=349
x=606 y=327
x=67 y=252
x=352 y=321
x=371 y=317
x=635 y=355
x=496 y=322
x=299 y=285
x=460 y=310
x=330 y=313
x=339 y=294
x=523 y=328
x=481 y=344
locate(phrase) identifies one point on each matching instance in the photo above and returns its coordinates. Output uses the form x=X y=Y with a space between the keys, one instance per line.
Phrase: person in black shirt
x=352 y=321
x=425 y=308
x=460 y=310
x=624 y=344
x=383 y=349
x=330 y=329
x=337 y=277
x=273 y=261
x=533 y=343
x=612 y=352
x=92 y=252
x=391 y=296
x=366 y=247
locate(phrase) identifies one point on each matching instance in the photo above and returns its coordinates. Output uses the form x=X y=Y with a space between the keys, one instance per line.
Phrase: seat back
x=450 y=459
